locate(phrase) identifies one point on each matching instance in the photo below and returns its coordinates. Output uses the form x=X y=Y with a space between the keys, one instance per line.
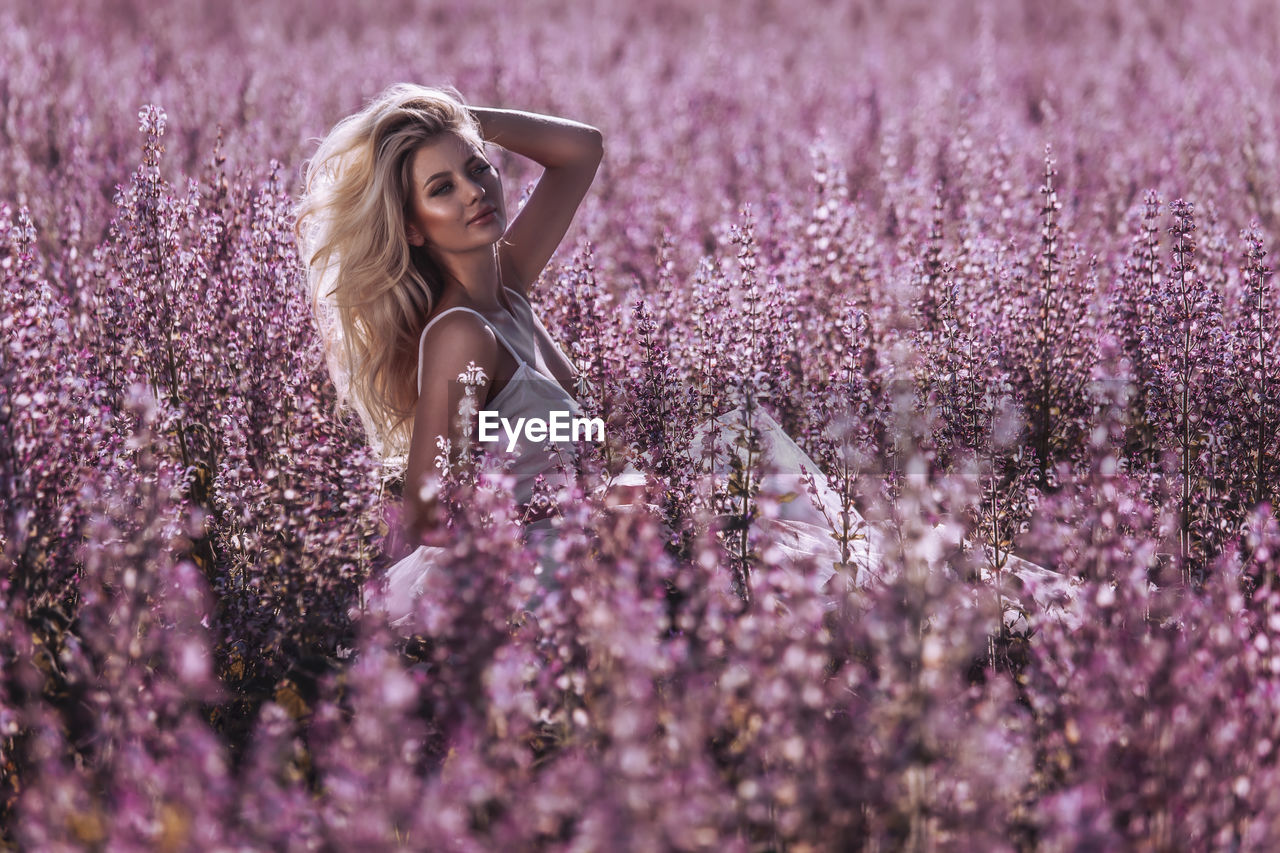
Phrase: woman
x=417 y=270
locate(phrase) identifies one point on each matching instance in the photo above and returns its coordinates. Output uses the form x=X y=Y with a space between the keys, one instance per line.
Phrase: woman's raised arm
x=570 y=153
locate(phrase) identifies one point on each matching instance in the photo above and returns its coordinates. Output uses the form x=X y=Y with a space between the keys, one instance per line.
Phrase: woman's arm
x=550 y=141
x=456 y=340
x=570 y=153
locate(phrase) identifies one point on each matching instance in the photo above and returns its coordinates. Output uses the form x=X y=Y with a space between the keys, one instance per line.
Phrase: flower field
x=998 y=266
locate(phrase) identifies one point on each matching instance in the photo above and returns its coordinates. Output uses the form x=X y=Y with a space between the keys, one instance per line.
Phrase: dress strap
x=423 y=337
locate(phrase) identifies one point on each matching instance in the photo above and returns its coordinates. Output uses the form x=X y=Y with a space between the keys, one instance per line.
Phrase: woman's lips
x=484 y=217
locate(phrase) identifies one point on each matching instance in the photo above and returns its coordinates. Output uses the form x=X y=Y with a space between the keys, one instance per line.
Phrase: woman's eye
x=485 y=167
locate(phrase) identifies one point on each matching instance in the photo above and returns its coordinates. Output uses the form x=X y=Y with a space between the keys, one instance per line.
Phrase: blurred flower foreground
x=1000 y=268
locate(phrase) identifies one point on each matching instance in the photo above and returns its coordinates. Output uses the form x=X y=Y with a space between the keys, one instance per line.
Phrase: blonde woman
x=417 y=271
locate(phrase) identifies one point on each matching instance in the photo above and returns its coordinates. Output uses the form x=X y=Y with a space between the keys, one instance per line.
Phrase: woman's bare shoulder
x=453 y=316
x=452 y=340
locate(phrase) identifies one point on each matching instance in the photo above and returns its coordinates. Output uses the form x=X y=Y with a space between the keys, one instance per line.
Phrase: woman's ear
x=414 y=236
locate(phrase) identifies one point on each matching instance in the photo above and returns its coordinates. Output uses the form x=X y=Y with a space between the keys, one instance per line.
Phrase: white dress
x=532 y=392
x=801 y=528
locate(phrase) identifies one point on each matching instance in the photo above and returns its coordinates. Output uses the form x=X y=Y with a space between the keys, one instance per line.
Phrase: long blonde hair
x=371 y=291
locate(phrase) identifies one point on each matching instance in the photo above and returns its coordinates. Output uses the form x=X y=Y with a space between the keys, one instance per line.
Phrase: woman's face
x=453 y=183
